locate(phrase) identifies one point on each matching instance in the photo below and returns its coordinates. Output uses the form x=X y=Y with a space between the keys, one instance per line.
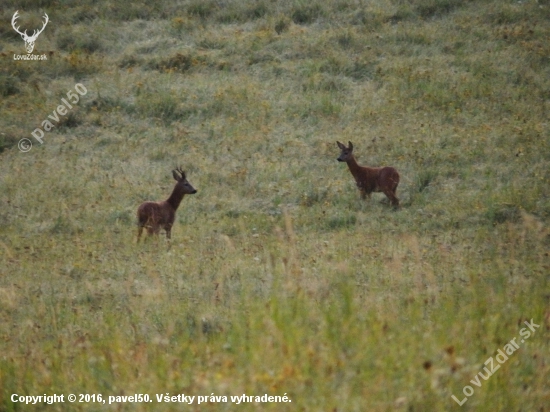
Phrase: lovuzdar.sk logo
x=29 y=40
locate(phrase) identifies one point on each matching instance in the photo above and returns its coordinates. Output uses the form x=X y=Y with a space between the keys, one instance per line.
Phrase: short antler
x=180 y=171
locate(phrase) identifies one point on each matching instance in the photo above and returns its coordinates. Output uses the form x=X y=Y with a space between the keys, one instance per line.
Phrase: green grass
x=279 y=278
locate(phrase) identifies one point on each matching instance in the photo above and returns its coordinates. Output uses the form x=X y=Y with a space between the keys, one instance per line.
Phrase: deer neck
x=354 y=168
x=175 y=198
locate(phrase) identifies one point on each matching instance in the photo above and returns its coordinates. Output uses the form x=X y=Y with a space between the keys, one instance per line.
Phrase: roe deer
x=157 y=215
x=371 y=179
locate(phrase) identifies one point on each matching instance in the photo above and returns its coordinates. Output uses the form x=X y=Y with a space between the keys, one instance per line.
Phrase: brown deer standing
x=371 y=179
x=157 y=215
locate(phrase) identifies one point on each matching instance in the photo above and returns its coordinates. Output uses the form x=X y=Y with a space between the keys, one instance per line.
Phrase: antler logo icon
x=29 y=40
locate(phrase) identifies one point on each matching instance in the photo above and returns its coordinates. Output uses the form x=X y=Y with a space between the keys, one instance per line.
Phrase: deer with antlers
x=371 y=179
x=29 y=40
x=156 y=215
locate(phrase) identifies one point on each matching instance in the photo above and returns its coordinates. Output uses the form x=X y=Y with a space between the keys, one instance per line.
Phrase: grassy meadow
x=279 y=279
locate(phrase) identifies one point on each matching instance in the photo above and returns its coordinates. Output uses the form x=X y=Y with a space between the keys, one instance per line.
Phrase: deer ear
x=176 y=175
x=340 y=145
x=350 y=147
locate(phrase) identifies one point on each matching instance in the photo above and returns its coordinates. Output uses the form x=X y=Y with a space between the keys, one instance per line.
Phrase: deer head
x=179 y=175
x=29 y=40
x=347 y=152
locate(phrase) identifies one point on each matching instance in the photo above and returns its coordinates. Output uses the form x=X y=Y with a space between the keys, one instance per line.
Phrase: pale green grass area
x=279 y=278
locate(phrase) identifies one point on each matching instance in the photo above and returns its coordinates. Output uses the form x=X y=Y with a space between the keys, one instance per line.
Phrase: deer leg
x=140 y=229
x=168 y=228
x=393 y=199
x=169 y=236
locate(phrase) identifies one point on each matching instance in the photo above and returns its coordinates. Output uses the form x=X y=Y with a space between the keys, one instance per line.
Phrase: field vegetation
x=279 y=279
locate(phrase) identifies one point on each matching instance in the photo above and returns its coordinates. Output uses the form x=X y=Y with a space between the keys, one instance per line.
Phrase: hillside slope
x=279 y=279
